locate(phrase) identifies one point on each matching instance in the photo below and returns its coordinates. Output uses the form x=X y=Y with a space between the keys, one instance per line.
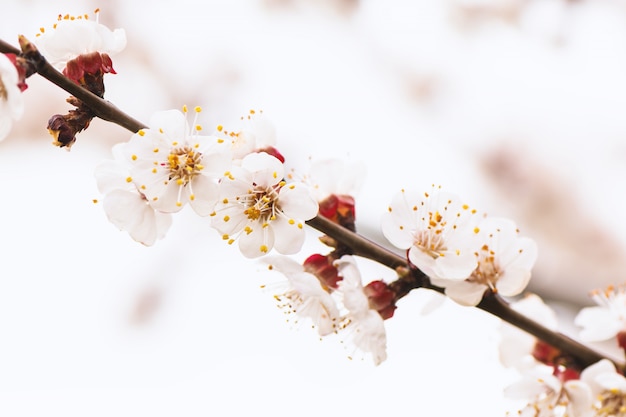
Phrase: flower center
x=487 y=272
x=261 y=204
x=430 y=240
x=612 y=403
x=184 y=164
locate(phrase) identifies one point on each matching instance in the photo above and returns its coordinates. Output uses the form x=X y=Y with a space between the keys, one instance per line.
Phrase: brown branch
x=491 y=303
x=102 y=108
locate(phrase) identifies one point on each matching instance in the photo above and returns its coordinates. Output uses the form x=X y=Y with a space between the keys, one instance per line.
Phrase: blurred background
x=516 y=105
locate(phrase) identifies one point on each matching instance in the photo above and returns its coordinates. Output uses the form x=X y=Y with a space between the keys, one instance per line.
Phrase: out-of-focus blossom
x=73 y=36
x=608 y=388
x=305 y=297
x=126 y=207
x=547 y=396
x=366 y=326
x=504 y=263
x=260 y=210
x=437 y=229
x=172 y=164
x=11 y=100
x=335 y=176
x=607 y=319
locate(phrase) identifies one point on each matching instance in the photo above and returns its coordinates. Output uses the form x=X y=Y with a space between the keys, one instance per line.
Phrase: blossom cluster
x=171 y=164
x=459 y=250
x=333 y=298
x=552 y=383
x=236 y=179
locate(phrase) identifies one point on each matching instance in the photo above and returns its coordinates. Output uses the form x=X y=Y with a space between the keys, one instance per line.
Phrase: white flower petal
x=72 y=37
x=257 y=243
x=465 y=293
x=580 y=399
x=513 y=281
x=171 y=122
x=205 y=194
x=370 y=336
x=455 y=266
x=297 y=202
x=111 y=175
x=598 y=323
x=265 y=169
x=129 y=212
x=289 y=235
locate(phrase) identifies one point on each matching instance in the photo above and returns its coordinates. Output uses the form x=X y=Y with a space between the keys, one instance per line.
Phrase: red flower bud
x=322 y=267
x=381 y=298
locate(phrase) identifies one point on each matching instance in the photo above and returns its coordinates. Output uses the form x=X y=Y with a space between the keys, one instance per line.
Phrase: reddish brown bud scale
x=340 y=209
x=381 y=298
x=23 y=70
x=621 y=340
x=566 y=373
x=94 y=64
x=546 y=353
x=322 y=267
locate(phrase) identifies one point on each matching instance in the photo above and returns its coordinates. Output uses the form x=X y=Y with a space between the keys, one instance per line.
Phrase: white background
x=94 y=324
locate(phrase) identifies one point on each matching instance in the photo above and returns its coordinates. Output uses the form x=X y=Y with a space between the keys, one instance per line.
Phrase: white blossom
x=172 y=164
x=255 y=133
x=608 y=388
x=366 y=326
x=305 y=296
x=335 y=176
x=547 y=396
x=11 y=100
x=607 y=319
x=260 y=210
x=126 y=207
x=437 y=230
x=72 y=36
x=504 y=263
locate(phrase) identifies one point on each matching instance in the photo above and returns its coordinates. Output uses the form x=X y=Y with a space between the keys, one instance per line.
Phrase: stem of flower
x=491 y=303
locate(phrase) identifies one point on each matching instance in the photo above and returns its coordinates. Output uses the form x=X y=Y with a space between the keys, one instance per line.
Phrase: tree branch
x=491 y=303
